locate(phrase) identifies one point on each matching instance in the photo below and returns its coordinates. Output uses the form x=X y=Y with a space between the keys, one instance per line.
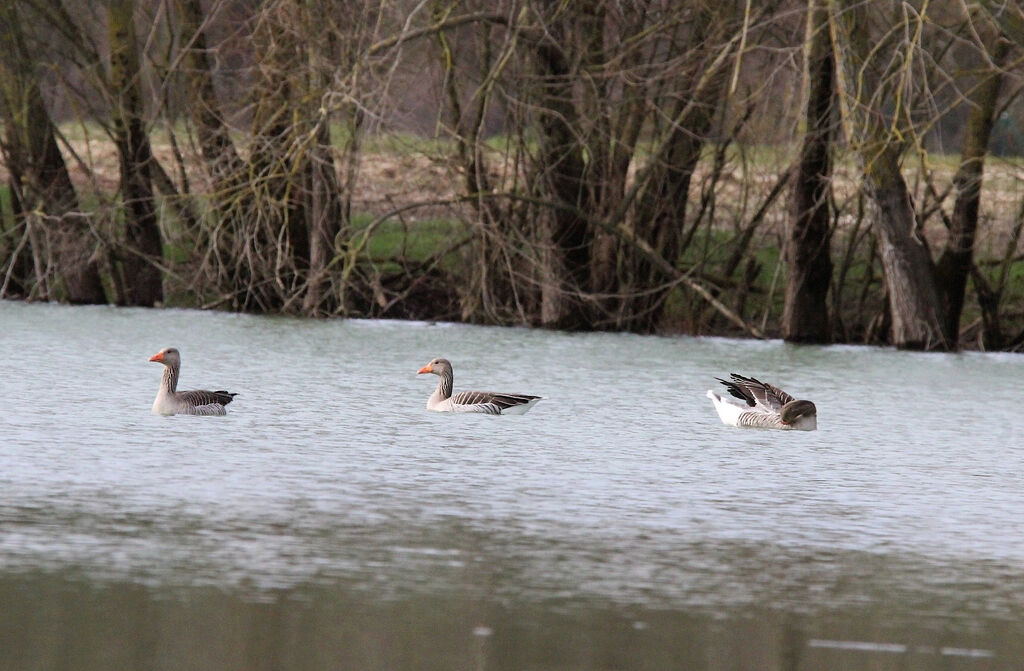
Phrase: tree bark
x=805 y=315
x=329 y=201
x=909 y=271
x=327 y=220
x=662 y=200
x=219 y=153
x=276 y=204
x=142 y=276
x=565 y=270
x=616 y=109
x=15 y=251
x=39 y=175
x=494 y=284
x=955 y=263
x=661 y=212
x=567 y=245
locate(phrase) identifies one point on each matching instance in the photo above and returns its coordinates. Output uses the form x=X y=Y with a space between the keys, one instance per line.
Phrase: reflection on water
x=67 y=621
x=330 y=522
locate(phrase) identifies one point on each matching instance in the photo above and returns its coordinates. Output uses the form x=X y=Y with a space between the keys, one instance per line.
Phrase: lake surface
x=331 y=522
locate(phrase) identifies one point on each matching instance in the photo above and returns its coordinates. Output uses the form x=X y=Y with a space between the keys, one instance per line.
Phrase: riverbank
x=417 y=247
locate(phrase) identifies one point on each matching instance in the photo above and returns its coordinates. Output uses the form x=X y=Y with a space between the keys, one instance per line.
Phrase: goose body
x=488 y=402
x=764 y=406
x=170 y=401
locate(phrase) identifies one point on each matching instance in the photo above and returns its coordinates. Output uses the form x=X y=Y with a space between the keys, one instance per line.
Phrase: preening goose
x=766 y=406
x=442 y=400
x=169 y=401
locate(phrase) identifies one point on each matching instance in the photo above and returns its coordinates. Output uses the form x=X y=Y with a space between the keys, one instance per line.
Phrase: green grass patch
x=414 y=241
x=5 y=206
x=708 y=256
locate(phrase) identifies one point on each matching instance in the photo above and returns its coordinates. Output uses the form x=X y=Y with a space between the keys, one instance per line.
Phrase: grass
x=5 y=206
x=395 y=240
x=400 y=168
x=710 y=250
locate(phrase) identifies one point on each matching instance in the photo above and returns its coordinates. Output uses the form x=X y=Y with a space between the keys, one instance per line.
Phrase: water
x=330 y=522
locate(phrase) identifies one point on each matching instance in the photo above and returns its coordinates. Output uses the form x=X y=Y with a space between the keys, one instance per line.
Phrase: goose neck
x=170 y=379
x=445 y=385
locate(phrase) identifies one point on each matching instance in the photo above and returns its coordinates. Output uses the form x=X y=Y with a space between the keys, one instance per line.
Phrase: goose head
x=799 y=414
x=168 y=356
x=436 y=366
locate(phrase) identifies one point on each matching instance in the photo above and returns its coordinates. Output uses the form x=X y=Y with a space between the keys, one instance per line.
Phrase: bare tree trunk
x=39 y=175
x=219 y=153
x=15 y=250
x=909 y=271
x=274 y=206
x=221 y=161
x=707 y=42
x=330 y=198
x=493 y=283
x=661 y=211
x=327 y=220
x=954 y=266
x=566 y=259
x=616 y=110
x=142 y=277
x=805 y=315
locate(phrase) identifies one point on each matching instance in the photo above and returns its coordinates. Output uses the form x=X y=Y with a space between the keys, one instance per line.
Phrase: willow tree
x=142 y=253
x=560 y=57
x=693 y=97
x=876 y=79
x=610 y=106
x=805 y=315
x=342 y=90
x=867 y=84
x=220 y=155
x=957 y=260
x=283 y=204
x=44 y=196
x=491 y=280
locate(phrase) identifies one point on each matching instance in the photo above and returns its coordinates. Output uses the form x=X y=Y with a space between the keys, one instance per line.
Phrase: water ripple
x=621 y=484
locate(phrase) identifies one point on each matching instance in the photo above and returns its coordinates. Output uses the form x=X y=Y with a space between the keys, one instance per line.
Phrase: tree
x=565 y=271
x=597 y=164
x=45 y=195
x=664 y=182
x=805 y=317
x=957 y=259
x=913 y=298
x=143 y=251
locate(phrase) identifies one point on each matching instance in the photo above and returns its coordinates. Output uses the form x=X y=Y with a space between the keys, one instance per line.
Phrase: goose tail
x=728 y=412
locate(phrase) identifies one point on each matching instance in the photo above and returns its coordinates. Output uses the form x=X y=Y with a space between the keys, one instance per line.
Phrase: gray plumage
x=767 y=406
x=170 y=401
x=487 y=402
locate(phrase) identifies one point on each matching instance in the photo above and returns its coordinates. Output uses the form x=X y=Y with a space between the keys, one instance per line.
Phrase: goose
x=766 y=406
x=491 y=403
x=169 y=401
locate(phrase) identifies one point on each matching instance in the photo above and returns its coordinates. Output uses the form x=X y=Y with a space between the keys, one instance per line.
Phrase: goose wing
x=755 y=393
x=201 y=397
x=488 y=400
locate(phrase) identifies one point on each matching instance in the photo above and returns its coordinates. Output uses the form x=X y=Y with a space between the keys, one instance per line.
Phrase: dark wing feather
x=505 y=401
x=739 y=391
x=200 y=397
x=500 y=401
x=766 y=394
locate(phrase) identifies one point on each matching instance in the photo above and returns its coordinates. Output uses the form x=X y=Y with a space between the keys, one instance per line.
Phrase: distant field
x=402 y=170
